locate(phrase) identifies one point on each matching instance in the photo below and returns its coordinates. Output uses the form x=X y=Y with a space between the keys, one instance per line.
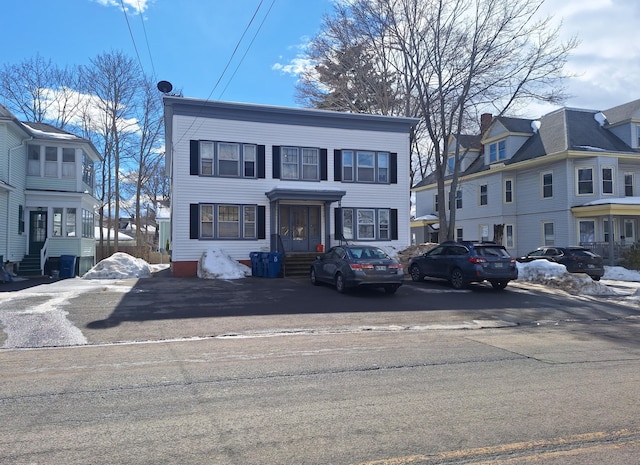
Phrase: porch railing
x=44 y=255
x=605 y=250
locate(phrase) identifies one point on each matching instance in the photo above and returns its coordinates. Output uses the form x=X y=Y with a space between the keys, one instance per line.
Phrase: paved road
x=258 y=371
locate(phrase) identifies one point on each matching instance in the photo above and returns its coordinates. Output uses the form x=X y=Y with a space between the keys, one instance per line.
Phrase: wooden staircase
x=30 y=265
x=297 y=265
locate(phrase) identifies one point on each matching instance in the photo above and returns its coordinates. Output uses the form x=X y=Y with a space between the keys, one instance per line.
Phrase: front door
x=37 y=231
x=300 y=227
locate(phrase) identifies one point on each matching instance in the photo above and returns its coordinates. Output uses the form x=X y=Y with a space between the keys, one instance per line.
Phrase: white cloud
x=85 y=110
x=131 y=6
x=295 y=67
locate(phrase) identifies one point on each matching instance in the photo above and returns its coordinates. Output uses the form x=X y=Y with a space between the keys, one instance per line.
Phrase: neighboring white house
x=569 y=178
x=46 y=196
x=261 y=178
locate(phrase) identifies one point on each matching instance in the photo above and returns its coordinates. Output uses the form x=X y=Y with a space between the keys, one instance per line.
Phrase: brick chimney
x=485 y=122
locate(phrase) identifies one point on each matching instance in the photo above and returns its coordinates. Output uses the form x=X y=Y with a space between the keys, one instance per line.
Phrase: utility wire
x=124 y=11
x=228 y=64
x=146 y=39
x=247 y=50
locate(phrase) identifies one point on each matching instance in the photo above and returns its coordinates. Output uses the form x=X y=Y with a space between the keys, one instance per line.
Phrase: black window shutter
x=338 y=223
x=261 y=167
x=275 y=156
x=194 y=157
x=262 y=225
x=337 y=165
x=393 y=168
x=194 y=221
x=394 y=223
x=323 y=164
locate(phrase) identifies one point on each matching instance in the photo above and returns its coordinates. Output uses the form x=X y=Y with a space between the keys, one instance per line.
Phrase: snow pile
x=555 y=275
x=215 y=263
x=119 y=266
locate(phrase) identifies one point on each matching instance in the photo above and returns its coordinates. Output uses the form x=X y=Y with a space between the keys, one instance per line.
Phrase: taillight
x=395 y=266
x=361 y=266
x=477 y=260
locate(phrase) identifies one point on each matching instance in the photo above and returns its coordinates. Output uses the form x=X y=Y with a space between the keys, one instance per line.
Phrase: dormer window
x=497 y=151
x=638 y=134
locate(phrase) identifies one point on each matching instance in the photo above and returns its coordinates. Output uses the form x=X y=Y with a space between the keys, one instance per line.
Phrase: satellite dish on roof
x=165 y=87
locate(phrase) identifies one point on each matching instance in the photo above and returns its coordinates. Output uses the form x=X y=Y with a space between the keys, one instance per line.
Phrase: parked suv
x=462 y=263
x=576 y=259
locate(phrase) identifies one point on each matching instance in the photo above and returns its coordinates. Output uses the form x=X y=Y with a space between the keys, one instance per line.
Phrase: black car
x=465 y=262
x=350 y=266
x=576 y=259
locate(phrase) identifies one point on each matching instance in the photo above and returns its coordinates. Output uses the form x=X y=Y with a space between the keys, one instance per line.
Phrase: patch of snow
x=119 y=266
x=556 y=275
x=215 y=263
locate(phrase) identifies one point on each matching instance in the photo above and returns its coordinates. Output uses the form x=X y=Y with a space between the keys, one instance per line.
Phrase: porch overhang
x=327 y=195
x=629 y=208
x=426 y=220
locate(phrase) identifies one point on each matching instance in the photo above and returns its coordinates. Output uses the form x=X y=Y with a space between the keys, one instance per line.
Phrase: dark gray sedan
x=350 y=266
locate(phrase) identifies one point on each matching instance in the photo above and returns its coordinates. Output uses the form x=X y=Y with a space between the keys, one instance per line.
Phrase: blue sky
x=190 y=42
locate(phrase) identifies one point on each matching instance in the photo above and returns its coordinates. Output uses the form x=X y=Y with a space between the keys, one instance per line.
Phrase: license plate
x=590 y=266
x=498 y=265
x=381 y=268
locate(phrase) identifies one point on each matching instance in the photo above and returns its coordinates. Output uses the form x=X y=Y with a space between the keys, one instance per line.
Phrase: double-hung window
x=366 y=166
x=607 y=180
x=628 y=184
x=484 y=194
x=68 y=163
x=51 y=162
x=223 y=221
x=33 y=163
x=508 y=191
x=547 y=185
x=585 y=181
x=497 y=151
x=227 y=159
x=301 y=163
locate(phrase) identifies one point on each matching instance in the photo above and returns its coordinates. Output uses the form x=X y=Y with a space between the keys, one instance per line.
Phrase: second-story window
x=300 y=163
x=547 y=185
x=365 y=166
x=88 y=171
x=51 y=162
x=628 y=184
x=484 y=194
x=585 y=181
x=68 y=163
x=607 y=180
x=508 y=191
x=227 y=159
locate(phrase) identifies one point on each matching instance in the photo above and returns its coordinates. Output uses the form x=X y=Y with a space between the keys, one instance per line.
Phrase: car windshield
x=367 y=252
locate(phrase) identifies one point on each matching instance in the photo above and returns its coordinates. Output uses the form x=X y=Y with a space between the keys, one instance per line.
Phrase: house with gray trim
x=568 y=178
x=47 y=203
x=254 y=178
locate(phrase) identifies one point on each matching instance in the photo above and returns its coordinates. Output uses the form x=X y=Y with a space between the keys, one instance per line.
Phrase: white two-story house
x=569 y=178
x=249 y=178
x=46 y=197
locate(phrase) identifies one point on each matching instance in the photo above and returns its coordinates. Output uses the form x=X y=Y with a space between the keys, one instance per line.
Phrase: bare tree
x=113 y=80
x=147 y=158
x=40 y=91
x=452 y=58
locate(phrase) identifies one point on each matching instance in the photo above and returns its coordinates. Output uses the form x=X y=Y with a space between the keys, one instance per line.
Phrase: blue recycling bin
x=256 y=266
x=274 y=262
x=67 y=266
x=263 y=264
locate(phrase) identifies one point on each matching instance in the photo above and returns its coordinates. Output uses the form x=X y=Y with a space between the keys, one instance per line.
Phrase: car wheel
x=340 y=286
x=415 y=273
x=499 y=284
x=595 y=278
x=313 y=278
x=391 y=288
x=457 y=279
